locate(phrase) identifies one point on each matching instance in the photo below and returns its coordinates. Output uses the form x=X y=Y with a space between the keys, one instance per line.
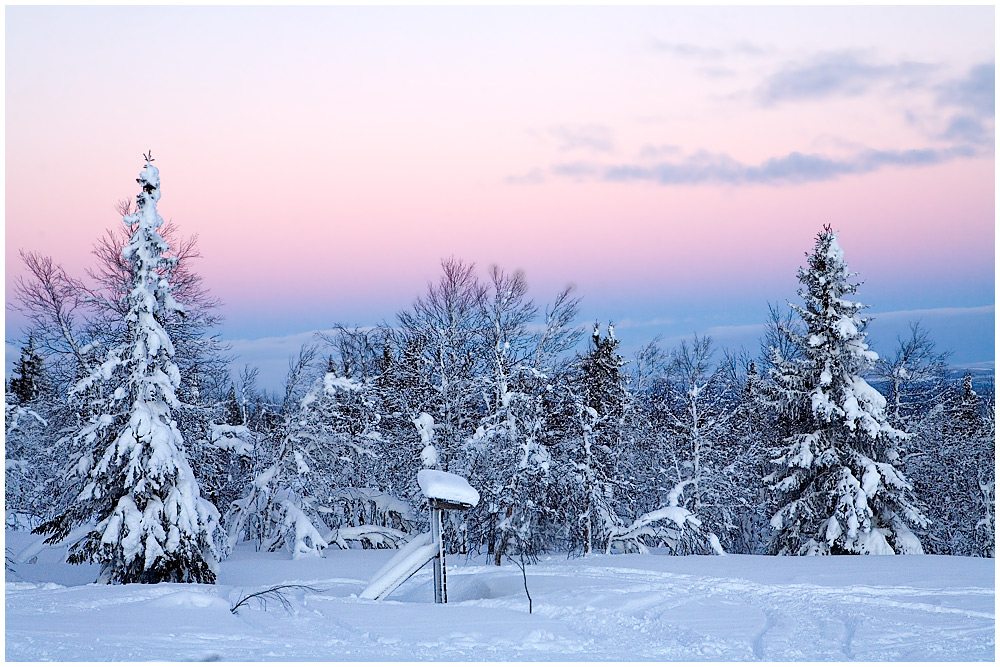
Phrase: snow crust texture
x=619 y=607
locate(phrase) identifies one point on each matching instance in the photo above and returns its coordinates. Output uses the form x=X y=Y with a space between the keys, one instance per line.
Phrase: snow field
x=620 y=607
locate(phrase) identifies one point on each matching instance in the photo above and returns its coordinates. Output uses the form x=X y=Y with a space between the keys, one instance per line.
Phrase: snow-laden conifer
x=149 y=521
x=752 y=434
x=512 y=464
x=26 y=383
x=323 y=487
x=840 y=489
x=601 y=401
x=952 y=464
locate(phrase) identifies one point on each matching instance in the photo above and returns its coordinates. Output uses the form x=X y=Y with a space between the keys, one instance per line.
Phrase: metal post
x=440 y=581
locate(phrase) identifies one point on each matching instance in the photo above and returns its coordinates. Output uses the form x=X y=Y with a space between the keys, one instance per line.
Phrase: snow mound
x=446 y=486
x=190 y=600
x=641 y=608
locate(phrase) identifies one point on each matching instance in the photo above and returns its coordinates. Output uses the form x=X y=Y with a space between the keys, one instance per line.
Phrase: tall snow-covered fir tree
x=841 y=492
x=139 y=512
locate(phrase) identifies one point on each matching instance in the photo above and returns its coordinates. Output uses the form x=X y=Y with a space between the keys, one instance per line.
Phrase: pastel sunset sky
x=673 y=163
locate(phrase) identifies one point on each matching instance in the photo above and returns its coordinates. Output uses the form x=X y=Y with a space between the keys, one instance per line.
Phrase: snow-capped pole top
x=446 y=490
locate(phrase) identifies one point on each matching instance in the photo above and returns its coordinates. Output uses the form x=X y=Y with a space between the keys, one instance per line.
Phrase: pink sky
x=329 y=157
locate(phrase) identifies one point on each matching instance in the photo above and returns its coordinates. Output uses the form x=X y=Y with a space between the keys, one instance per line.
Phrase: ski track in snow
x=666 y=608
x=789 y=625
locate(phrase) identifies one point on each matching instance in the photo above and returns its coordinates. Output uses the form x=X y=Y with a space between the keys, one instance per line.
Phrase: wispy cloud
x=974 y=96
x=650 y=151
x=686 y=49
x=718 y=72
x=750 y=49
x=966 y=331
x=268 y=347
x=967 y=129
x=974 y=93
x=533 y=177
x=844 y=73
x=586 y=137
x=950 y=311
x=795 y=168
x=703 y=52
x=629 y=323
x=269 y=355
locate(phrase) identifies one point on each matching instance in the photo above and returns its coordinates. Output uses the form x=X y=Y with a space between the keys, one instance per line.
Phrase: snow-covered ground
x=622 y=607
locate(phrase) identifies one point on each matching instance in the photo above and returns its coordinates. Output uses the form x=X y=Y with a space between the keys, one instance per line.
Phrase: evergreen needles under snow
x=152 y=524
x=570 y=452
x=841 y=490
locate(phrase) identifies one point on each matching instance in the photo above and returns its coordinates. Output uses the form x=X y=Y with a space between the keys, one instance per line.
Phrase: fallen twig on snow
x=274 y=593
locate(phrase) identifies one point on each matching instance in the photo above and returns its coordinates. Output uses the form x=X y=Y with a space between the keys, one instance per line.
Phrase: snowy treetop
x=833 y=251
x=332 y=383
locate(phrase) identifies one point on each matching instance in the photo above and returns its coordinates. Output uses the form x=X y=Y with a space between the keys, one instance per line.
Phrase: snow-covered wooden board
x=446 y=486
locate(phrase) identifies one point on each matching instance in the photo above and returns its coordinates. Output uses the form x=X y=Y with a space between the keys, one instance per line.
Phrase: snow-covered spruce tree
x=601 y=401
x=198 y=353
x=26 y=428
x=840 y=490
x=233 y=410
x=38 y=422
x=151 y=523
x=27 y=379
